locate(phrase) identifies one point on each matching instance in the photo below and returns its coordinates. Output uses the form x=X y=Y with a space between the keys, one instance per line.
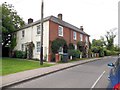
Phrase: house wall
x=31 y=35
x=22 y=40
x=50 y=33
x=67 y=34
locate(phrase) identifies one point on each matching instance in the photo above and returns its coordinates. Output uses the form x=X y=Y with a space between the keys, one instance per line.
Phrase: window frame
x=38 y=29
x=74 y=35
x=60 y=33
x=81 y=37
x=86 y=39
x=37 y=48
x=23 y=33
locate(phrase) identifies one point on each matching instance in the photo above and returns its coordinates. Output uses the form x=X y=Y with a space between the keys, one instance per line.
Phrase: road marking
x=97 y=80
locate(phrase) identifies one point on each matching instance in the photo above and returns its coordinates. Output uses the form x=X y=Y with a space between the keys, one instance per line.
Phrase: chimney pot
x=81 y=28
x=30 y=20
x=60 y=16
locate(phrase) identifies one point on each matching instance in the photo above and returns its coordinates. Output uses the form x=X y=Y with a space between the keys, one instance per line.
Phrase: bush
x=109 y=53
x=57 y=43
x=20 y=54
x=71 y=46
x=74 y=53
x=101 y=52
x=114 y=53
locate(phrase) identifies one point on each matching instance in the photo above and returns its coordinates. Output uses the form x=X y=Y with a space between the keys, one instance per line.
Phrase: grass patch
x=12 y=65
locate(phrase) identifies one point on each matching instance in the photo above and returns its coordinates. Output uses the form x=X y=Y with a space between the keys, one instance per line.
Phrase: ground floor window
x=22 y=47
x=38 y=46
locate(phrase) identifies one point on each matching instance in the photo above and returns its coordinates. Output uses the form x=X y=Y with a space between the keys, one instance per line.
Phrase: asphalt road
x=89 y=75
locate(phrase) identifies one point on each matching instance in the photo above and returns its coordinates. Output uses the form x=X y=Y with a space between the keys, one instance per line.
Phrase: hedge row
x=109 y=53
x=20 y=54
x=74 y=53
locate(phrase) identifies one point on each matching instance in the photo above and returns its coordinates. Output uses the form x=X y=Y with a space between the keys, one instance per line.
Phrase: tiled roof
x=58 y=21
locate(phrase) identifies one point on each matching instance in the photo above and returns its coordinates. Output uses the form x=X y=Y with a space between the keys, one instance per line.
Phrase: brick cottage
x=54 y=27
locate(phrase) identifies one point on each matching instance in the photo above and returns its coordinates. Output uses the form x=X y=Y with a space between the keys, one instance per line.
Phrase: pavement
x=16 y=78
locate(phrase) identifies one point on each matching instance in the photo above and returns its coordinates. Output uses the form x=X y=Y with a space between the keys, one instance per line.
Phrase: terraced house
x=54 y=27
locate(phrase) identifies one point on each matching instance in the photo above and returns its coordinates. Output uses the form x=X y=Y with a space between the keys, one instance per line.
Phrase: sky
x=96 y=16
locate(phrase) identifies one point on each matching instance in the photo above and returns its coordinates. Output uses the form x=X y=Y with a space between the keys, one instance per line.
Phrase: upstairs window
x=23 y=33
x=86 y=39
x=38 y=29
x=60 y=31
x=81 y=37
x=38 y=46
x=74 y=35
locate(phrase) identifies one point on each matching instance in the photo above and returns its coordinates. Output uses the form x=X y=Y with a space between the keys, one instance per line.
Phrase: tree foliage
x=71 y=46
x=11 y=21
x=97 y=46
x=57 y=43
x=82 y=47
x=109 y=43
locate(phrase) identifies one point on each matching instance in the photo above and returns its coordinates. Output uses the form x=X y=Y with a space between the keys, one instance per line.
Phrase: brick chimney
x=60 y=16
x=81 y=28
x=30 y=20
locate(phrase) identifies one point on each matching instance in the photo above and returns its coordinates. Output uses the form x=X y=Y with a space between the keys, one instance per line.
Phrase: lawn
x=12 y=65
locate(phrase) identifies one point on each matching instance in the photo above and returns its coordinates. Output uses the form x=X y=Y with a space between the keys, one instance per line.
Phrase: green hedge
x=74 y=53
x=109 y=53
x=20 y=54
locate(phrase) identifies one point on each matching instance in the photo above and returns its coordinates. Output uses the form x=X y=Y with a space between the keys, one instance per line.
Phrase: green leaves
x=10 y=23
x=109 y=43
x=56 y=44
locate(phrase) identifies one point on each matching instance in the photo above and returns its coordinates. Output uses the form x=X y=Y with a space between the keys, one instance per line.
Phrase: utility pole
x=41 y=49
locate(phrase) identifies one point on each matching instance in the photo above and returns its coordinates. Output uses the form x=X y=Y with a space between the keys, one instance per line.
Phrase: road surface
x=89 y=75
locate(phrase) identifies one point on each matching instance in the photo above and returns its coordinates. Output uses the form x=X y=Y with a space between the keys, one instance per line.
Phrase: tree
x=109 y=43
x=10 y=23
x=57 y=43
x=97 y=47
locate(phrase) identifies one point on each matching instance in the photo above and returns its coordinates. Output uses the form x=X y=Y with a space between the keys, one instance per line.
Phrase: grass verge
x=12 y=65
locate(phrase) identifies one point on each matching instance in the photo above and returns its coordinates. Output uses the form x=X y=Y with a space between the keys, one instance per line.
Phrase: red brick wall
x=67 y=34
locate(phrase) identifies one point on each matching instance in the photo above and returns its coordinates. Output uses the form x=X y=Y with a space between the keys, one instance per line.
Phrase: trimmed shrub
x=20 y=54
x=74 y=53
